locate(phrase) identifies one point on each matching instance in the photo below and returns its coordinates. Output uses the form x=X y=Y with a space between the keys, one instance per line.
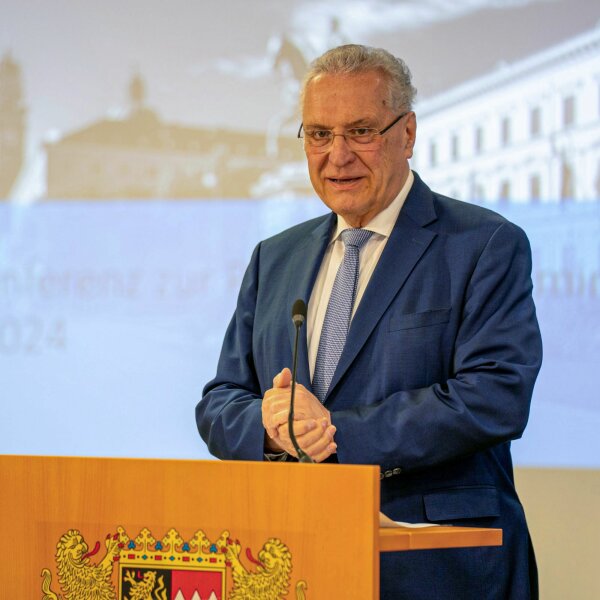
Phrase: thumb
x=283 y=379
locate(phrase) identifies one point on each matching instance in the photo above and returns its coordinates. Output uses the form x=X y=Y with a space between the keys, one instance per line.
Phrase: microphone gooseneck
x=298 y=317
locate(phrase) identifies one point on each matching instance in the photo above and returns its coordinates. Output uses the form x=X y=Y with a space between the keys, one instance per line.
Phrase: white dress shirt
x=381 y=225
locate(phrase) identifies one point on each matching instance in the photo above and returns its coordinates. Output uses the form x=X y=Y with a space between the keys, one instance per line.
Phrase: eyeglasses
x=357 y=138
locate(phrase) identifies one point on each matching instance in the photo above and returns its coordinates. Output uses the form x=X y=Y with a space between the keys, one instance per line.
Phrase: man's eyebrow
x=364 y=121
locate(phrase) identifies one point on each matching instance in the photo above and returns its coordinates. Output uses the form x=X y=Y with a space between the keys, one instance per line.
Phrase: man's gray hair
x=353 y=59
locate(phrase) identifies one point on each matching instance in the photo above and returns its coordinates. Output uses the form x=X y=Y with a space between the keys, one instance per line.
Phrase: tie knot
x=356 y=237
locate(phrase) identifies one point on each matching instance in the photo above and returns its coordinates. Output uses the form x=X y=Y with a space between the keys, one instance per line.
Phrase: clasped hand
x=312 y=421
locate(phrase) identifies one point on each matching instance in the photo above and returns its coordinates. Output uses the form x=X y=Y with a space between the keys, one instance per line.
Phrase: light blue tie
x=339 y=311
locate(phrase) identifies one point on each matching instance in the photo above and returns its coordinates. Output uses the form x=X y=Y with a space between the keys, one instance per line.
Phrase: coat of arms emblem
x=170 y=568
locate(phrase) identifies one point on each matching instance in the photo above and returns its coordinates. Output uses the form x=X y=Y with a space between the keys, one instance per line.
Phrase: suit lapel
x=303 y=268
x=407 y=243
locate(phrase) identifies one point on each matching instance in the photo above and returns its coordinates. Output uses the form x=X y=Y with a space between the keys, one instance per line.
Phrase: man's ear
x=410 y=131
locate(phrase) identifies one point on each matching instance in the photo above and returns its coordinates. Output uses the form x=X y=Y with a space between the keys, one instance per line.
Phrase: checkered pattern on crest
x=339 y=311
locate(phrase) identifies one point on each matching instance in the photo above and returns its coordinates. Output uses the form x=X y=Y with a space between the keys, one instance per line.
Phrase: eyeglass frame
x=333 y=135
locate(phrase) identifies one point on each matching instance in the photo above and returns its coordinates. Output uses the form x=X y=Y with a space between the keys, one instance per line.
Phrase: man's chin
x=346 y=197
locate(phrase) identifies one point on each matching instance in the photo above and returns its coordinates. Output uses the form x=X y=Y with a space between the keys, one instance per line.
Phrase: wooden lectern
x=198 y=530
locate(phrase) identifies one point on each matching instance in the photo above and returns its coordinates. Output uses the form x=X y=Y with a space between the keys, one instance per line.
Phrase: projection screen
x=147 y=147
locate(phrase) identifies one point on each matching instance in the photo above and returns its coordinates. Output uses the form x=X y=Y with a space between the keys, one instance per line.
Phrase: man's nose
x=340 y=152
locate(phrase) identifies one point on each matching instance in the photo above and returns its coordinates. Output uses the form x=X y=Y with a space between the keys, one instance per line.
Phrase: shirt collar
x=382 y=223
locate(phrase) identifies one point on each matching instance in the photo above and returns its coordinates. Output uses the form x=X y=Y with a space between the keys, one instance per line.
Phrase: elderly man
x=421 y=348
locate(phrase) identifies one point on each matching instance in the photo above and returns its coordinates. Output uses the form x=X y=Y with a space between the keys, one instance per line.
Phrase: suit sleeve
x=229 y=415
x=485 y=401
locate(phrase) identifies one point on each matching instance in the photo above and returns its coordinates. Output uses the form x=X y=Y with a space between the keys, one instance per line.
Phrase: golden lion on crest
x=271 y=579
x=78 y=578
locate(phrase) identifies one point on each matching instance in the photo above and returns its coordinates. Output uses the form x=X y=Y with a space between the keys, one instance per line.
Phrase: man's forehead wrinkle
x=328 y=116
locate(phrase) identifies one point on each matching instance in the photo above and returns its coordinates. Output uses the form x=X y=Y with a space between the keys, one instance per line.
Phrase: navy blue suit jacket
x=434 y=381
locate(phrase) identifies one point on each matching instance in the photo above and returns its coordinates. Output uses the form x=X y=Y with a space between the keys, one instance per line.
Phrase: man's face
x=357 y=184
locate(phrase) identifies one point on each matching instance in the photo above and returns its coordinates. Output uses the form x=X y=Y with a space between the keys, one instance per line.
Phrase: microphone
x=299 y=312
x=298 y=317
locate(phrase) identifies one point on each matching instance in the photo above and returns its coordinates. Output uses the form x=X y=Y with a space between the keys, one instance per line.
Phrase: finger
x=275 y=403
x=325 y=454
x=309 y=404
x=276 y=413
x=301 y=429
x=317 y=439
x=276 y=380
x=284 y=438
x=272 y=404
x=279 y=418
x=314 y=441
x=271 y=421
x=282 y=442
x=319 y=448
x=275 y=420
x=274 y=394
x=278 y=403
x=282 y=379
